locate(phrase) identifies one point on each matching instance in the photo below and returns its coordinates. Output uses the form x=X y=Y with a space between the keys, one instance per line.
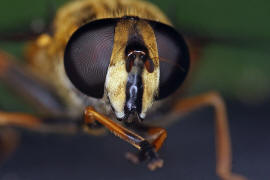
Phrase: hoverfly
x=113 y=65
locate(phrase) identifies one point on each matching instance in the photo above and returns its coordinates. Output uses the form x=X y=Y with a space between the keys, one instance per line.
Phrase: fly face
x=130 y=61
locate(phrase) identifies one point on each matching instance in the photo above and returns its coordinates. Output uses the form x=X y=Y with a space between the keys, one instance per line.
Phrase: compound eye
x=87 y=56
x=173 y=58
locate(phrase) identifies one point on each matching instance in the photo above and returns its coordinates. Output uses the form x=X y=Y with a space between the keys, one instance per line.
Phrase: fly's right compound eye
x=87 y=56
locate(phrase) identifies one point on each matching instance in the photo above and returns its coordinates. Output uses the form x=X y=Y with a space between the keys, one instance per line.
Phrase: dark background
x=238 y=68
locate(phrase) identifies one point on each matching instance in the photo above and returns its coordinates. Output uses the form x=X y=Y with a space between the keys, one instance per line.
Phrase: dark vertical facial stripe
x=134 y=92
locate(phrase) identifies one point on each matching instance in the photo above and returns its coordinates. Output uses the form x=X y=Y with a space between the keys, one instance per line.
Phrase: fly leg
x=9 y=138
x=22 y=81
x=223 y=142
x=19 y=120
x=148 y=148
x=47 y=125
x=156 y=137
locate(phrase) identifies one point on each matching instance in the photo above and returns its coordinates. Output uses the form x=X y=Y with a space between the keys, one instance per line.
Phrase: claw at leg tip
x=155 y=164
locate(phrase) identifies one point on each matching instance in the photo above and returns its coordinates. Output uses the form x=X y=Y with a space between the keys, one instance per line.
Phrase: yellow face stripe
x=117 y=75
x=150 y=80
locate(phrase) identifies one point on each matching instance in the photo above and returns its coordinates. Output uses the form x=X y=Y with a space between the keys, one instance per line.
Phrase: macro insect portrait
x=117 y=66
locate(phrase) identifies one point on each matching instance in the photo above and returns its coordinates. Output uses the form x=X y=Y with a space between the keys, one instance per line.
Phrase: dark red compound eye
x=87 y=56
x=173 y=58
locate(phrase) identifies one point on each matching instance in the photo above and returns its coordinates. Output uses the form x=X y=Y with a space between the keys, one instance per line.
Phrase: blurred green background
x=238 y=70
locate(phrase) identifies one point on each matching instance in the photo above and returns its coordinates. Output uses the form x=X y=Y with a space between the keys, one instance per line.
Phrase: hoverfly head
x=130 y=61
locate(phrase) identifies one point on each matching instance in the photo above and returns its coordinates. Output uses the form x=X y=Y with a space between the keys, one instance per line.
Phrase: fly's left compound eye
x=87 y=56
x=173 y=58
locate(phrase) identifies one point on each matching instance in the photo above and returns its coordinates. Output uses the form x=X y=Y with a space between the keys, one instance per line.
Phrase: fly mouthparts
x=131 y=117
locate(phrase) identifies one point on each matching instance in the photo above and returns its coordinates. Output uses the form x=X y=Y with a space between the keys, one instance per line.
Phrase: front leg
x=148 y=146
x=155 y=137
